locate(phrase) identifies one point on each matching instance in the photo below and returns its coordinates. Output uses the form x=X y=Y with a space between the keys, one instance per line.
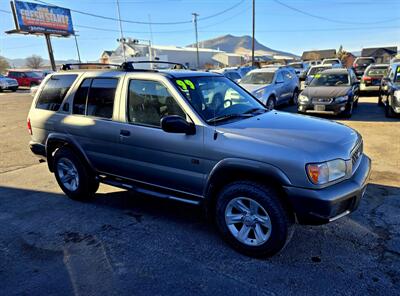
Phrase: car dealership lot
x=124 y=243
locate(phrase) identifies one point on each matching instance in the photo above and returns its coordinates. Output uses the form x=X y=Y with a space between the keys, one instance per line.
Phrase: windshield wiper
x=227 y=117
x=254 y=110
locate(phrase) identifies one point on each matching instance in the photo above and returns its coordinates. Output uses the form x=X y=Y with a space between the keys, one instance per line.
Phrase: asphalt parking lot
x=127 y=244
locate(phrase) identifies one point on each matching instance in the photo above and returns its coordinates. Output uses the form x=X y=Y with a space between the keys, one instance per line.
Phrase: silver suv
x=199 y=138
x=273 y=86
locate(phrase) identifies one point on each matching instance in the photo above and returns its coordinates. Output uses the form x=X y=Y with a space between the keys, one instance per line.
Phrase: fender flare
x=59 y=139
x=239 y=164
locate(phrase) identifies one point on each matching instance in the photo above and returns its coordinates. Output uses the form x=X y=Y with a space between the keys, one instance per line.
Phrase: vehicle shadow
x=119 y=233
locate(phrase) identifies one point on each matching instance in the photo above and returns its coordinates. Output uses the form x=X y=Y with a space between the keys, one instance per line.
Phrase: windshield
x=258 y=78
x=377 y=72
x=296 y=65
x=217 y=97
x=32 y=75
x=333 y=62
x=315 y=70
x=330 y=79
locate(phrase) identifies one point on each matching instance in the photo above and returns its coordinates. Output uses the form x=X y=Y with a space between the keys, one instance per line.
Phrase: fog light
x=342 y=108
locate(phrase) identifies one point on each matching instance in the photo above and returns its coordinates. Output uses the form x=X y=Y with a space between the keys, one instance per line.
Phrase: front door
x=151 y=155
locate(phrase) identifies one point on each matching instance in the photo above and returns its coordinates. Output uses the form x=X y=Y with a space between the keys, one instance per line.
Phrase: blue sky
x=352 y=23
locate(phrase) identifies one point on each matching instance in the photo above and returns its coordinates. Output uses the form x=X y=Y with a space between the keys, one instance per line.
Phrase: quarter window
x=149 y=101
x=54 y=92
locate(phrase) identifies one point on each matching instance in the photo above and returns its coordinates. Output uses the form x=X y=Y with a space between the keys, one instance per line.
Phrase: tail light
x=366 y=78
x=28 y=123
x=355 y=65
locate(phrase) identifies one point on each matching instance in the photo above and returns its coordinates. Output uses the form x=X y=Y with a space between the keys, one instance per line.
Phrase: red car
x=25 y=77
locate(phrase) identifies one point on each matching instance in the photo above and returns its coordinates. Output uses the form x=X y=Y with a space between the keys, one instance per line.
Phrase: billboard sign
x=38 y=18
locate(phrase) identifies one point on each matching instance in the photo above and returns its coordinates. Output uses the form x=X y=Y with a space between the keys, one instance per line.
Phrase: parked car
x=371 y=80
x=395 y=60
x=361 y=63
x=25 y=78
x=233 y=75
x=332 y=91
x=272 y=86
x=309 y=75
x=256 y=172
x=389 y=93
x=300 y=67
x=245 y=69
x=334 y=62
x=8 y=83
x=44 y=73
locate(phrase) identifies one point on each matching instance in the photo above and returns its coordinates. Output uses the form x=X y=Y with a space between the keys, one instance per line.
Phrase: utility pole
x=254 y=31
x=122 y=39
x=77 y=47
x=50 y=49
x=195 y=15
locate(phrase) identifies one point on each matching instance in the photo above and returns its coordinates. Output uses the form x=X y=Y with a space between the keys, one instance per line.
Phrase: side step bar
x=127 y=184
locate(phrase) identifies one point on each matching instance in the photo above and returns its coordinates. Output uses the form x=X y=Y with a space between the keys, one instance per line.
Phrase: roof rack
x=129 y=65
x=72 y=66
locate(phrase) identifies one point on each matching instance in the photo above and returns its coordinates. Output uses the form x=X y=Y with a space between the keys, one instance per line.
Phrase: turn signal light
x=28 y=123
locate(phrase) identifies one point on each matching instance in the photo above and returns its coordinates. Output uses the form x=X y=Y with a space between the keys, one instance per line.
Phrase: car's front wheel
x=73 y=176
x=270 y=103
x=251 y=218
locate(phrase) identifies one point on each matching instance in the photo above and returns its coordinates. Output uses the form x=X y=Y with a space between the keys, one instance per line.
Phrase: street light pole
x=77 y=47
x=195 y=15
x=254 y=29
x=122 y=39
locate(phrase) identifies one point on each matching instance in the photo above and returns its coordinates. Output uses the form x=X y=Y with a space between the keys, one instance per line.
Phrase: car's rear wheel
x=73 y=176
x=270 y=103
x=251 y=218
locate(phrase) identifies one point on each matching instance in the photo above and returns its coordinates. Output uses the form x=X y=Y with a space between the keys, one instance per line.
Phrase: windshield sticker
x=189 y=83
x=317 y=75
x=398 y=69
x=181 y=84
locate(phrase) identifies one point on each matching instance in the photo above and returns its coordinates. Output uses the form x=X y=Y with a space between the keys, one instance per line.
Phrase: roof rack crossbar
x=69 y=66
x=129 y=65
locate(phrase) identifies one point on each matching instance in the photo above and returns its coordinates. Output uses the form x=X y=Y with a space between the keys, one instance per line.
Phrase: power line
x=144 y=23
x=333 y=20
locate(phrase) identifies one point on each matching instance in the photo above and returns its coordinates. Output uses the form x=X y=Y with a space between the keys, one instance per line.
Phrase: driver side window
x=279 y=77
x=149 y=101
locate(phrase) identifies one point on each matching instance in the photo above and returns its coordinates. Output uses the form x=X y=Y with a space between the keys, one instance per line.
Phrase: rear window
x=364 y=61
x=377 y=71
x=54 y=92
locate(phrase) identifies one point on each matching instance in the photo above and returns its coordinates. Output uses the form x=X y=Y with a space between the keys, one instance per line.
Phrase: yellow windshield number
x=184 y=84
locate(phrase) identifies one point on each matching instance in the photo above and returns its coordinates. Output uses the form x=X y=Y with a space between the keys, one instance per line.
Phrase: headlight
x=325 y=172
x=397 y=95
x=303 y=99
x=259 y=93
x=341 y=99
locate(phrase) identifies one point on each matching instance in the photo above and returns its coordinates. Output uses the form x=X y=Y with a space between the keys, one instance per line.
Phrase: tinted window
x=54 y=92
x=149 y=101
x=287 y=75
x=330 y=79
x=365 y=61
x=100 y=101
x=232 y=75
x=80 y=98
x=279 y=76
x=315 y=70
x=258 y=78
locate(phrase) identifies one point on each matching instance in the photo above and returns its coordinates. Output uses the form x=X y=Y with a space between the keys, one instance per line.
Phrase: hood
x=253 y=87
x=326 y=91
x=297 y=136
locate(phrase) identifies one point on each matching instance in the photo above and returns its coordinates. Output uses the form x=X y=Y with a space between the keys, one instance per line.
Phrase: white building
x=184 y=55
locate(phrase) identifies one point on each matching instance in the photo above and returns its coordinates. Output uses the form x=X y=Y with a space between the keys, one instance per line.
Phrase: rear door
x=91 y=121
x=152 y=156
x=280 y=87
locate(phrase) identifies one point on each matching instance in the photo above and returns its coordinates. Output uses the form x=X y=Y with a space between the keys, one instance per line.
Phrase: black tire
x=87 y=185
x=33 y=84
x=356 y=103
x=271 y=103
x=295 y=97
x=348 y=112
x=282 y=222
x=389 y=113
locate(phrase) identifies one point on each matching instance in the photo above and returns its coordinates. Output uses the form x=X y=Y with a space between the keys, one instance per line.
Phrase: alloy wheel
x=68 y=174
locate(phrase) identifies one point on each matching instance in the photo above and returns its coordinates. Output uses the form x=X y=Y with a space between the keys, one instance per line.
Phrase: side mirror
x=177 y=125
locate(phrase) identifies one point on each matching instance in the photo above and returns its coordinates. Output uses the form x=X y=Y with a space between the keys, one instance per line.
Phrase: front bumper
x=364 y=87
x=320 y=206
x=10 y=87
x=332 y=108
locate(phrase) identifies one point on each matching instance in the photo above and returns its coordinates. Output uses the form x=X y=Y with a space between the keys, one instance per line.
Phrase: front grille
x=357 y=152
x=322 y=100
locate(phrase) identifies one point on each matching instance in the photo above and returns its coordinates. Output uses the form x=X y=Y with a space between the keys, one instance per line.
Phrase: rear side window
x=95 y=97
x=54 y=92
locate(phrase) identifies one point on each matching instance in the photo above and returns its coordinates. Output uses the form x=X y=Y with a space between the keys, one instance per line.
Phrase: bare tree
x=4 y=65
x=34 y=61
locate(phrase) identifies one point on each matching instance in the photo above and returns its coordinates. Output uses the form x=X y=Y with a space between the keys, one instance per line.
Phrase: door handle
x=125 y=133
